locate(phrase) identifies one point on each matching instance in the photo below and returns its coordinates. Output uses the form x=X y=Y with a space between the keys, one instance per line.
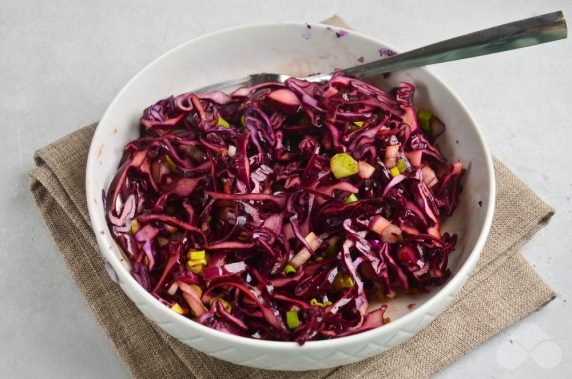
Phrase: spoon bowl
x=514 y=35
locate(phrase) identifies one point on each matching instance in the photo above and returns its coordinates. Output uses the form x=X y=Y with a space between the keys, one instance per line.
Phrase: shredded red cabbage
x=234 y=212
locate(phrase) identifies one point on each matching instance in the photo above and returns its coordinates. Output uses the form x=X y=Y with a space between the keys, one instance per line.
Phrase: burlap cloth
x=502 y=289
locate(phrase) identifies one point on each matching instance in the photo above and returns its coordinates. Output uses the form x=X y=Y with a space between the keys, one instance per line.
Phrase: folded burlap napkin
x=502 y=289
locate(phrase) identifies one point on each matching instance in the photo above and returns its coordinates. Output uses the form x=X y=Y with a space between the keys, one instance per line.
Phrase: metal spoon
x=528 y=32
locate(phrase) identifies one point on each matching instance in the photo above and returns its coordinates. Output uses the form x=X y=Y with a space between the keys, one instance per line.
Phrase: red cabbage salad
x=281 y=211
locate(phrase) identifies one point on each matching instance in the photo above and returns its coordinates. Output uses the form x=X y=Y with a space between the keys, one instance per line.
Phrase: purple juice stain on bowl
x=384 y=52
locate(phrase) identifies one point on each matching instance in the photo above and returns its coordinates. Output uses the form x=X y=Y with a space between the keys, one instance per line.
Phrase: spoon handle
x=528 y=32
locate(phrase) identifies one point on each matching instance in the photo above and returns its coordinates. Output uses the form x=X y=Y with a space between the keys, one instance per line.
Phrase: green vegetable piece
x=197 y=255
x=351 y=199
x=316 y=303
x=289 y=269
x=341 y=281
x=343 y=165
x=401 y=166
x=292 y=319
x=222 y=122
x=424 y=118
x=356 y=125
x=347 y=282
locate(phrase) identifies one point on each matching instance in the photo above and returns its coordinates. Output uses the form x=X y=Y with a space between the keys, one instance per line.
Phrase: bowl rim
x=104 y=240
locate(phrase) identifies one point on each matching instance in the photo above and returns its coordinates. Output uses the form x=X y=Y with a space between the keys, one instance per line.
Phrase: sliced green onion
x=195 y=255
x=347 y=282
x=316 y=303
x=356 y=125
x=401 y=166
x=289 y=269
x=177 y=308
x=197 y=260
x=341 y=282
x=195 y=266
x=222 y=122
x=343 y=165
x=243 y=120
x=394 y=171
x=351 y=199
x=292 y=319
x=424 y=118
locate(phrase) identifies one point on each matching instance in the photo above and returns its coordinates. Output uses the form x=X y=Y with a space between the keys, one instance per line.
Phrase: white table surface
x=61 y=63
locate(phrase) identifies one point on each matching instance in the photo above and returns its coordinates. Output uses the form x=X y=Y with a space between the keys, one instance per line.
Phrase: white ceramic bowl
x=296 y=50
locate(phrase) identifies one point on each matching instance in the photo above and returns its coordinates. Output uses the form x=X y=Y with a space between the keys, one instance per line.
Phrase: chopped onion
x=391 y=155
x=365 y=170
x=429 y=177
x=304 y=254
